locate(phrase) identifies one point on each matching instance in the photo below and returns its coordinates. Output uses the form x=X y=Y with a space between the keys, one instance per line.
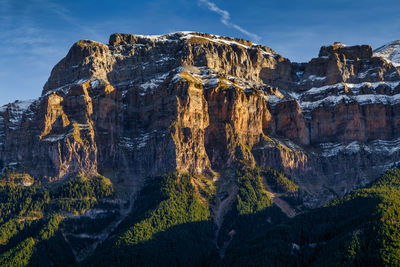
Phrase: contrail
x=226 y=19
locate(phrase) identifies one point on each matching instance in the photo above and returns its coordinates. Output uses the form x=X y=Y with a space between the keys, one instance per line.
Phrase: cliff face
x=191 y=102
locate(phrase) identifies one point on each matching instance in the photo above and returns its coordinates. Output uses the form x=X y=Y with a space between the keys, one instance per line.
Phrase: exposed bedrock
x=193 y=102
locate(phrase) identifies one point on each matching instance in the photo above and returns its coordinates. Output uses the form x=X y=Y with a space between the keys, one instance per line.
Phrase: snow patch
x=3 y=108
x=65 y=88
x=127 y=143
x=210 y=81
x=24 y=104
x=330 y=100
x=55 y=138
x=141 y=141
x=137 y=143
x=315 y=78
x=381 y=147
x=154 y=83
x=299 y=75
x=16 y=111
x=390 y=52
x=94 y=84
x=273 y=99
x=355 y=88
x=164 y=59
x=177 y=78
x=319 y=90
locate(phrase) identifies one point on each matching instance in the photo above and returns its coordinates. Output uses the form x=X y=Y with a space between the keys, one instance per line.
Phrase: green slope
x=171 y=224
x=31 y=217
x=361 y=229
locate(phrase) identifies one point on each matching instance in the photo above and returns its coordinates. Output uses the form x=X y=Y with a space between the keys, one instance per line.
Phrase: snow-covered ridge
x=146 y=72
x=16 y=110
x=334 y=94
x=187 y=35
x=3 y=108
x=161 y=37
x=361 y=99
x=355 y=87
x=23 y=105
x=18 y=107
x=390 y=52
x=381 y=147
x=65 y=88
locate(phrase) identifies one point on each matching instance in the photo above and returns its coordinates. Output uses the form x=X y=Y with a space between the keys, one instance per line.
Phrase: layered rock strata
x=192 y=102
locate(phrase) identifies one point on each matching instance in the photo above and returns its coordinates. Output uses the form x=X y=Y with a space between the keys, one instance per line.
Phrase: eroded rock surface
x=192 y=102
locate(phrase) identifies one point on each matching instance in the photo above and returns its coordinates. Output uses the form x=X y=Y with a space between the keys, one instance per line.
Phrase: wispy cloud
x=31 y=45
x=66 y=15
x=226 y=19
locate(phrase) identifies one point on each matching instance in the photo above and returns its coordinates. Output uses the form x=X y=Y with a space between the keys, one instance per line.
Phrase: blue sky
x=36 y=34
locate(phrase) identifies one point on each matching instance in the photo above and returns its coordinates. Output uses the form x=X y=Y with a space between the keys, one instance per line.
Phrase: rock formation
x=199 y=103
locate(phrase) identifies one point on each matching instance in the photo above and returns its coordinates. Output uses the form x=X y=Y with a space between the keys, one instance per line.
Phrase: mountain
x=191 y=102
x=390 y=52
x=360 y=229
x=189 y=137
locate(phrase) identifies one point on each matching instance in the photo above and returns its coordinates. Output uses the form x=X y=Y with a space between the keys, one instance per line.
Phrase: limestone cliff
x=193 y=102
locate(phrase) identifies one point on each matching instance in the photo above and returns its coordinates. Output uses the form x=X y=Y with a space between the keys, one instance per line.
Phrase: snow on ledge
x=65 y=88
x=362 y=99
x=381 y=147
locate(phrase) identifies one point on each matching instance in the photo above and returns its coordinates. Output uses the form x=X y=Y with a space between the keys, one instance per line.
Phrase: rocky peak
x=117 y=39
x=350 y=52
x=390 y=52
x=135 y=59
x=338 y=63
x=84 y=60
